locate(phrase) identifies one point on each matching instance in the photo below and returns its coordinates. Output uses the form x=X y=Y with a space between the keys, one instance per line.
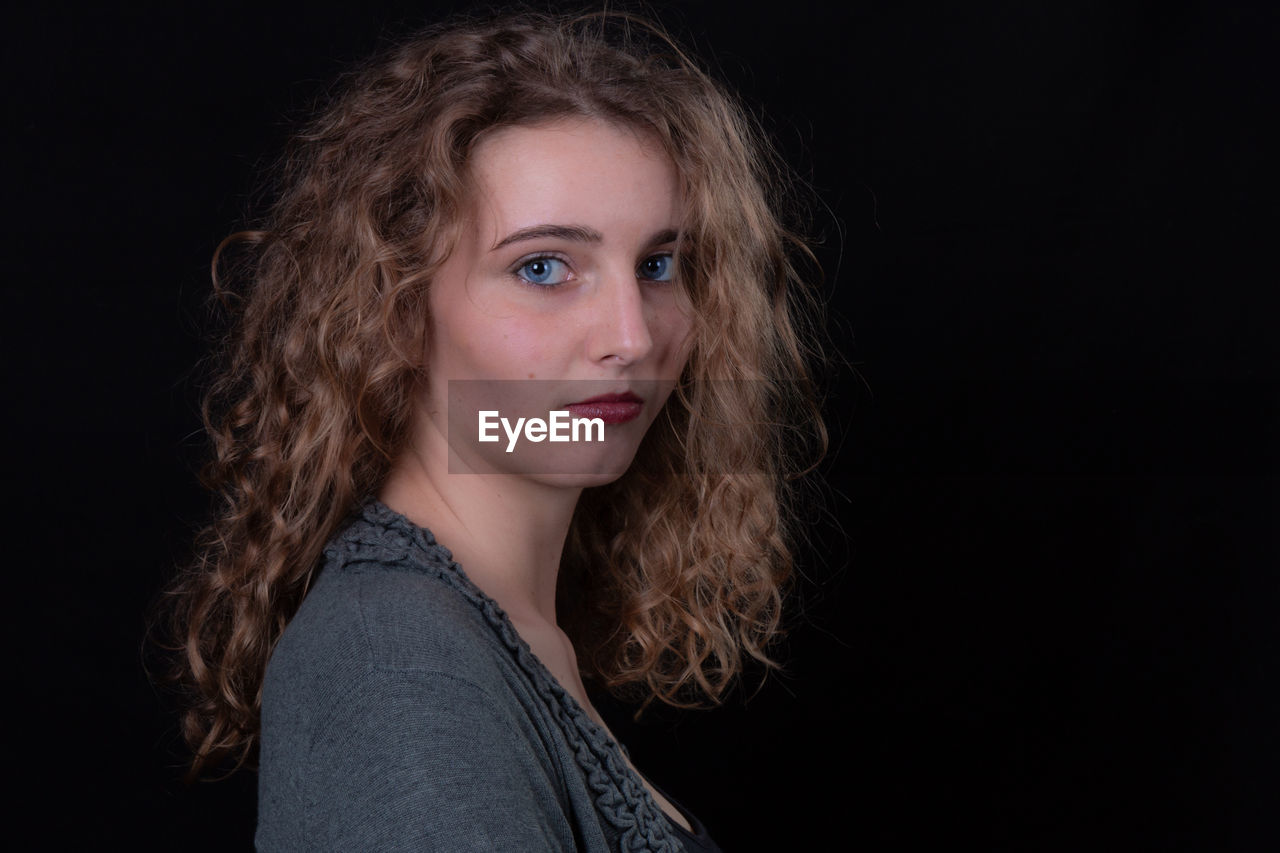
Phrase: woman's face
x=559 y=292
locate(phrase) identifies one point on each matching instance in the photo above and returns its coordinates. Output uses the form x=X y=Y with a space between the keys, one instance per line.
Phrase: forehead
x=574 y=171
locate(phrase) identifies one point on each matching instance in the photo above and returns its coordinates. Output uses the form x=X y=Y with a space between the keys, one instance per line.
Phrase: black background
x=1039 y=612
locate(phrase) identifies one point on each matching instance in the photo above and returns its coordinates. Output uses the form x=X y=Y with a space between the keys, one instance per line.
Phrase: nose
x=620 y=325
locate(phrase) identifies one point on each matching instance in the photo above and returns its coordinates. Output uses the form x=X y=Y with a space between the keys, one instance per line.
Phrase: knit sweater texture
x=402 y=711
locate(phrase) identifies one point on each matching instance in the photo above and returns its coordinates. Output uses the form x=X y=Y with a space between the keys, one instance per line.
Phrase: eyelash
x=524 y=262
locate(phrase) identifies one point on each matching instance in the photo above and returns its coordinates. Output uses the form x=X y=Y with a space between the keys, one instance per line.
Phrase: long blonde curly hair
x=672 y=574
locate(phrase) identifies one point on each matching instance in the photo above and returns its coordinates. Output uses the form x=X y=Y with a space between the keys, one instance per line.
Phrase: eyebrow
x=574 y=233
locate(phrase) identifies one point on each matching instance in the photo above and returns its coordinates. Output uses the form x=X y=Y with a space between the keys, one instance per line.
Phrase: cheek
x=511 y=348
x=675 y=330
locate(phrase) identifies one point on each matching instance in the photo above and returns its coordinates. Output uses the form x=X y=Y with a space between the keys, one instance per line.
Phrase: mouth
x=610 y=408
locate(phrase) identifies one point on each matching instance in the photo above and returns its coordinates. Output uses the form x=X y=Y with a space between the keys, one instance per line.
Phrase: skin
x=609 y=326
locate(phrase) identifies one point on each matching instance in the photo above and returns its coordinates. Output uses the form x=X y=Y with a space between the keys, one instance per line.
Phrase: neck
x=507 y=532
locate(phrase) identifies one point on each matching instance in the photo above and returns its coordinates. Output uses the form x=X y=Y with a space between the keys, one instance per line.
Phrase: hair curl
x=689 y=551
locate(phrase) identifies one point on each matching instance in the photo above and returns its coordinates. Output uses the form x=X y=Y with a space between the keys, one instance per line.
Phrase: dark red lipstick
x=610 y=408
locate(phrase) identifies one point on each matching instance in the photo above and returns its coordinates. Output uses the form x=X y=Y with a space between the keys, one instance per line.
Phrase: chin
x=582 y=470
x=580 y=480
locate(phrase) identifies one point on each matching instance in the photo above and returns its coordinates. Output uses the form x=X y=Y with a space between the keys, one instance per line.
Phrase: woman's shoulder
x=387 y=598
x=394 y=717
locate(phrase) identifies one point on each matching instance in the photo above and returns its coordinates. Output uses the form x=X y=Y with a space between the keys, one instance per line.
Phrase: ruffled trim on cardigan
x=383 y=535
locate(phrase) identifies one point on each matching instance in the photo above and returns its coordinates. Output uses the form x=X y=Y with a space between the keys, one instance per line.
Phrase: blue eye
x=545 y=272
x=657 y=267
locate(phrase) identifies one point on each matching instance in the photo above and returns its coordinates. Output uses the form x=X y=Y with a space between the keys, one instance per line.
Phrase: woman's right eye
x=544 y=272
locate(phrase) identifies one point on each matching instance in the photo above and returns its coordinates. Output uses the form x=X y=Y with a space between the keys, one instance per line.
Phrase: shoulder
x=387 y=596
x=387 y=604
x=393 y=718
x=366 y=616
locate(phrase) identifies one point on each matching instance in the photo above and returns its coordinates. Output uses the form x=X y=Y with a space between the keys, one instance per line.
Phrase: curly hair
x=689 y=552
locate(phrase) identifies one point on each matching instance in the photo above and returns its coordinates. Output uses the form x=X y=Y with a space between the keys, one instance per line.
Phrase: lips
x=610 y=408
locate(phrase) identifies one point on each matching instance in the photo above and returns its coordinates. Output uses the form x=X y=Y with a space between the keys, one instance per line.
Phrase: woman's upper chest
x=551 y=646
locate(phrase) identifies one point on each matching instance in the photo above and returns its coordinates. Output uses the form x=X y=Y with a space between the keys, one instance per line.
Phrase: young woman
x=505 y=218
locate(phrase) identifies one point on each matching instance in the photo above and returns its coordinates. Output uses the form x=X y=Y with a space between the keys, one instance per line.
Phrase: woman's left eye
x=544 y=272
x=657 y=267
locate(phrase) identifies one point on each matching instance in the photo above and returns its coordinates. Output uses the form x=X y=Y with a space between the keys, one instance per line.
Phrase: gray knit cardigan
x=402 y=711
